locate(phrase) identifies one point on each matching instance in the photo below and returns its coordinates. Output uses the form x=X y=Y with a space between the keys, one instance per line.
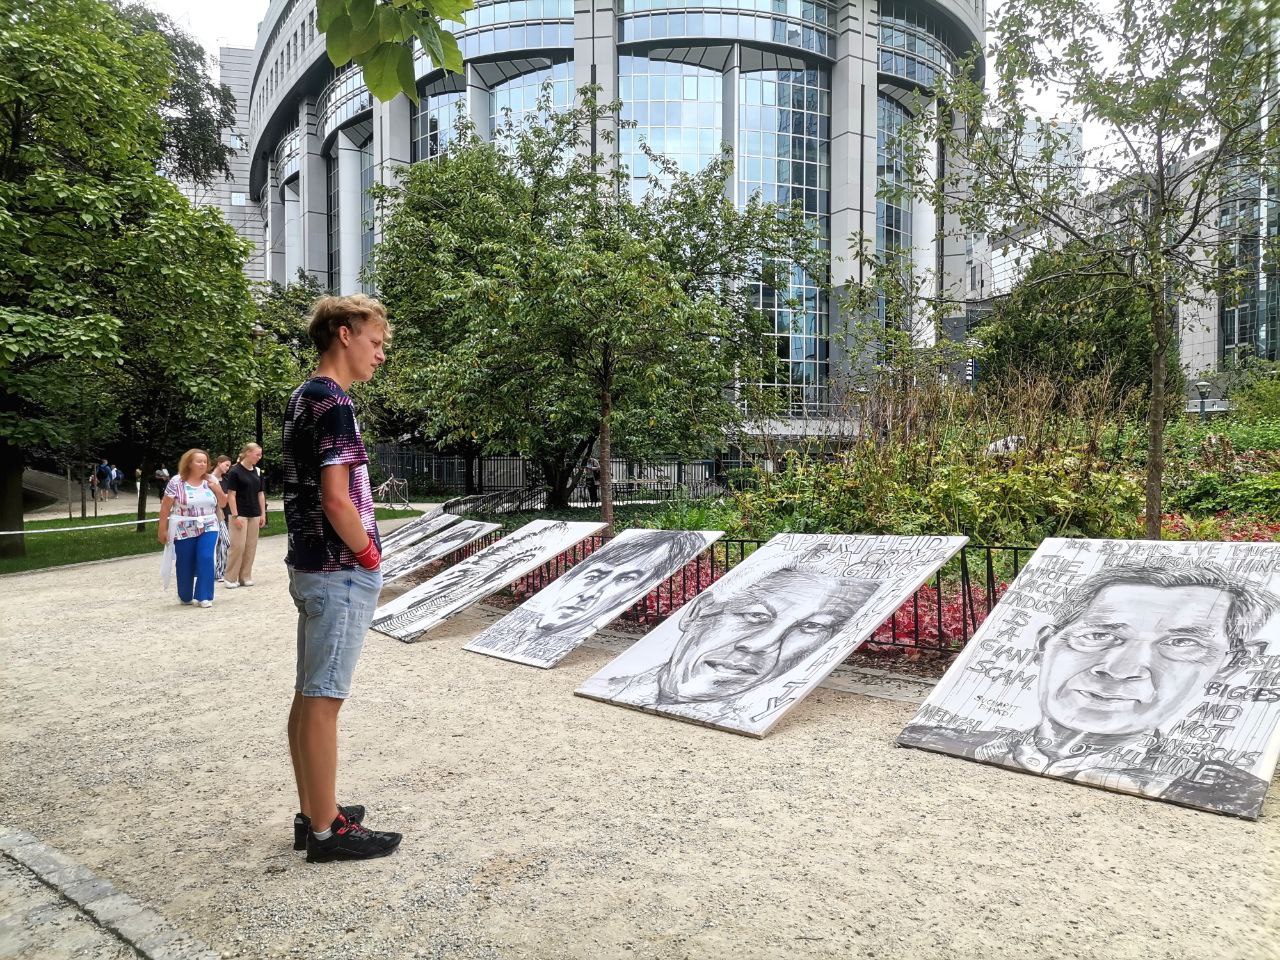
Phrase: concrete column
x=275 y=227
x=729 y=118
x=595 y=57
x=313 y=190
x=477 y=101
x=392 y=131
x=349 y=225
x=392 y=150
x=853 y=132
x=292 y=231
x=854 y=87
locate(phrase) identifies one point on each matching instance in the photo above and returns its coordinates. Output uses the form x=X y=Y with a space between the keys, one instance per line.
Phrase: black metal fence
x=431 y=474
x=938 y=619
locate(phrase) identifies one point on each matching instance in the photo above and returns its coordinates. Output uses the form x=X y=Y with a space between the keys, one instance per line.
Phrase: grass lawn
x=57 y=549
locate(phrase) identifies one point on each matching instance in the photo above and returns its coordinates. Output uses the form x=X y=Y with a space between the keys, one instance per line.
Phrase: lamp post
x=259 y=331
x=1202 y=388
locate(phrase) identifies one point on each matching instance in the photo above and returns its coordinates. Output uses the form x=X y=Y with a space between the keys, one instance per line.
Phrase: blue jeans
x=334 y=613
x=195 y=565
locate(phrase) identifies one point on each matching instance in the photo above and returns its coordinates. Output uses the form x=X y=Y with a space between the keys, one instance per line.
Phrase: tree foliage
x=543 y=304
x=1060 y=320
x=108 y=276
x=196 y=110
x=1178 y=90
x=376 y=34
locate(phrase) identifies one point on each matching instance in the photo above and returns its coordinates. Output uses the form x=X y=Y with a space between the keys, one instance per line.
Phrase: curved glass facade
x=760 y=28
x=784 y=154
x=343 y=98
x=677 y=108
x=810 y=11
x=893 y=218
x=913 y=46
x=758 y=74
x=332 y=214
x=366 y=208
x=287 y=155
x=519 y=95
x=432 y=118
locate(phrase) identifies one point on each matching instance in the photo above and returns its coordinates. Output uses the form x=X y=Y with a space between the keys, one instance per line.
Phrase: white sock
x=324 y=834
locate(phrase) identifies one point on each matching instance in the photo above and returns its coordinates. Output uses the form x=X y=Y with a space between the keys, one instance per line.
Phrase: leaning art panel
x=544 y=630
x=750 y=647
x=428 y=523
x=478 y=576
x=1148 y=668
x=413 y=557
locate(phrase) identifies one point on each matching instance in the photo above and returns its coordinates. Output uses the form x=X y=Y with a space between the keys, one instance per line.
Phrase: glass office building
x=807 y=92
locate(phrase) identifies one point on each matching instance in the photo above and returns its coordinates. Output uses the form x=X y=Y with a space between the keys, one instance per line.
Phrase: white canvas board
x=750 y=647
x=441 y=544
x=478 y=576
x=1149 y=668
x=547 y=627
x=398 y=542
x=408 y=530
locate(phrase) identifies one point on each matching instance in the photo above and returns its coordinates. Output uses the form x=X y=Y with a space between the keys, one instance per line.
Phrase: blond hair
x=184 y=461
x=246 y=448
x=330 y=314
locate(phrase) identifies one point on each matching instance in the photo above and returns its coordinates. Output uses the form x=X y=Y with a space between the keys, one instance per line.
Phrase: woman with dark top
x=248 y=505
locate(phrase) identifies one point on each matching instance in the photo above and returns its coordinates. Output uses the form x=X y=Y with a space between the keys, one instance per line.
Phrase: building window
x=518 y=97
x=335 y=264
x=366 y=209
x=433 y=118
x=784 y=142
x=678 y=111
x=239 y=200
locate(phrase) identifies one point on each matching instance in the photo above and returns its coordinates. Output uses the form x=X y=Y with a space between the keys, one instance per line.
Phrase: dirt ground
x=146 y=740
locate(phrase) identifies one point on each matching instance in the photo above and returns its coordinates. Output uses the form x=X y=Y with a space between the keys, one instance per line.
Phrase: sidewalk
x=145 y=740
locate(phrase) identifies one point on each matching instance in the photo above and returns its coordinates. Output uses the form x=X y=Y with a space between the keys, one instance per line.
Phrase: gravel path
x=146 y=740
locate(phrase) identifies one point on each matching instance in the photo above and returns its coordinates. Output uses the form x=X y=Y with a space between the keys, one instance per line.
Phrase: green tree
x=542 y=305
x=196 y=110
x=376 y=34
x=1061 y=320
x=100 y=258
x=1178 y=90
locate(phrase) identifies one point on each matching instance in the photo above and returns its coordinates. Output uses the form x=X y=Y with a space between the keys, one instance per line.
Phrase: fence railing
x=938 y=619
x=633 y=480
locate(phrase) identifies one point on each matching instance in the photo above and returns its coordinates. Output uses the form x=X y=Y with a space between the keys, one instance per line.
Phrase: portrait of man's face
x=739 y=640
x=584 y=596
x=1134 y=659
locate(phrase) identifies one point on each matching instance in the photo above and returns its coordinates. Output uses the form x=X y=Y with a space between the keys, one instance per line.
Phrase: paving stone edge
x=149 y=934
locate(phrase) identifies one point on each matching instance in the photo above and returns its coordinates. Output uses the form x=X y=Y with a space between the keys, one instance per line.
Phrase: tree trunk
x=143 y=483
x=470 y=483
x=12 y=460
x=606 y=458
x=557 y=477
x=1155 y=416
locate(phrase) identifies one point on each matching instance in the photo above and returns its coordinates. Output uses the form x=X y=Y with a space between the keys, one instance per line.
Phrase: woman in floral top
x=193 y=504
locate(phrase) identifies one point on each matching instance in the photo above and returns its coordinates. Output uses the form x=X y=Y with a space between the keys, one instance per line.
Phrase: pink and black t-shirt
x=320 y=431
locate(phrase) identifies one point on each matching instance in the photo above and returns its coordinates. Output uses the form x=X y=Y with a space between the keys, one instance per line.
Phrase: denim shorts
x=334 y=613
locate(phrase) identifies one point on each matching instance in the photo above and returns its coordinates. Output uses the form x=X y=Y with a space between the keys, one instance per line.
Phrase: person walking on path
x=247 y=502
x=102 y=474
x=195 y=537
x=221 y=466
x=334 y=561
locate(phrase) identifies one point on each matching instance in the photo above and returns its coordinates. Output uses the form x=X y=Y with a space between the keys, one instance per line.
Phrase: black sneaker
x=302 y=824
x=350 y=841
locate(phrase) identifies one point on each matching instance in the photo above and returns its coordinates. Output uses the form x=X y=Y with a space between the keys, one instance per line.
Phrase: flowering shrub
x=1223 y=526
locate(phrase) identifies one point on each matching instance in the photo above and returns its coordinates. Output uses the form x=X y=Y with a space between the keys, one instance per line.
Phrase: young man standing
x=334 y=559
